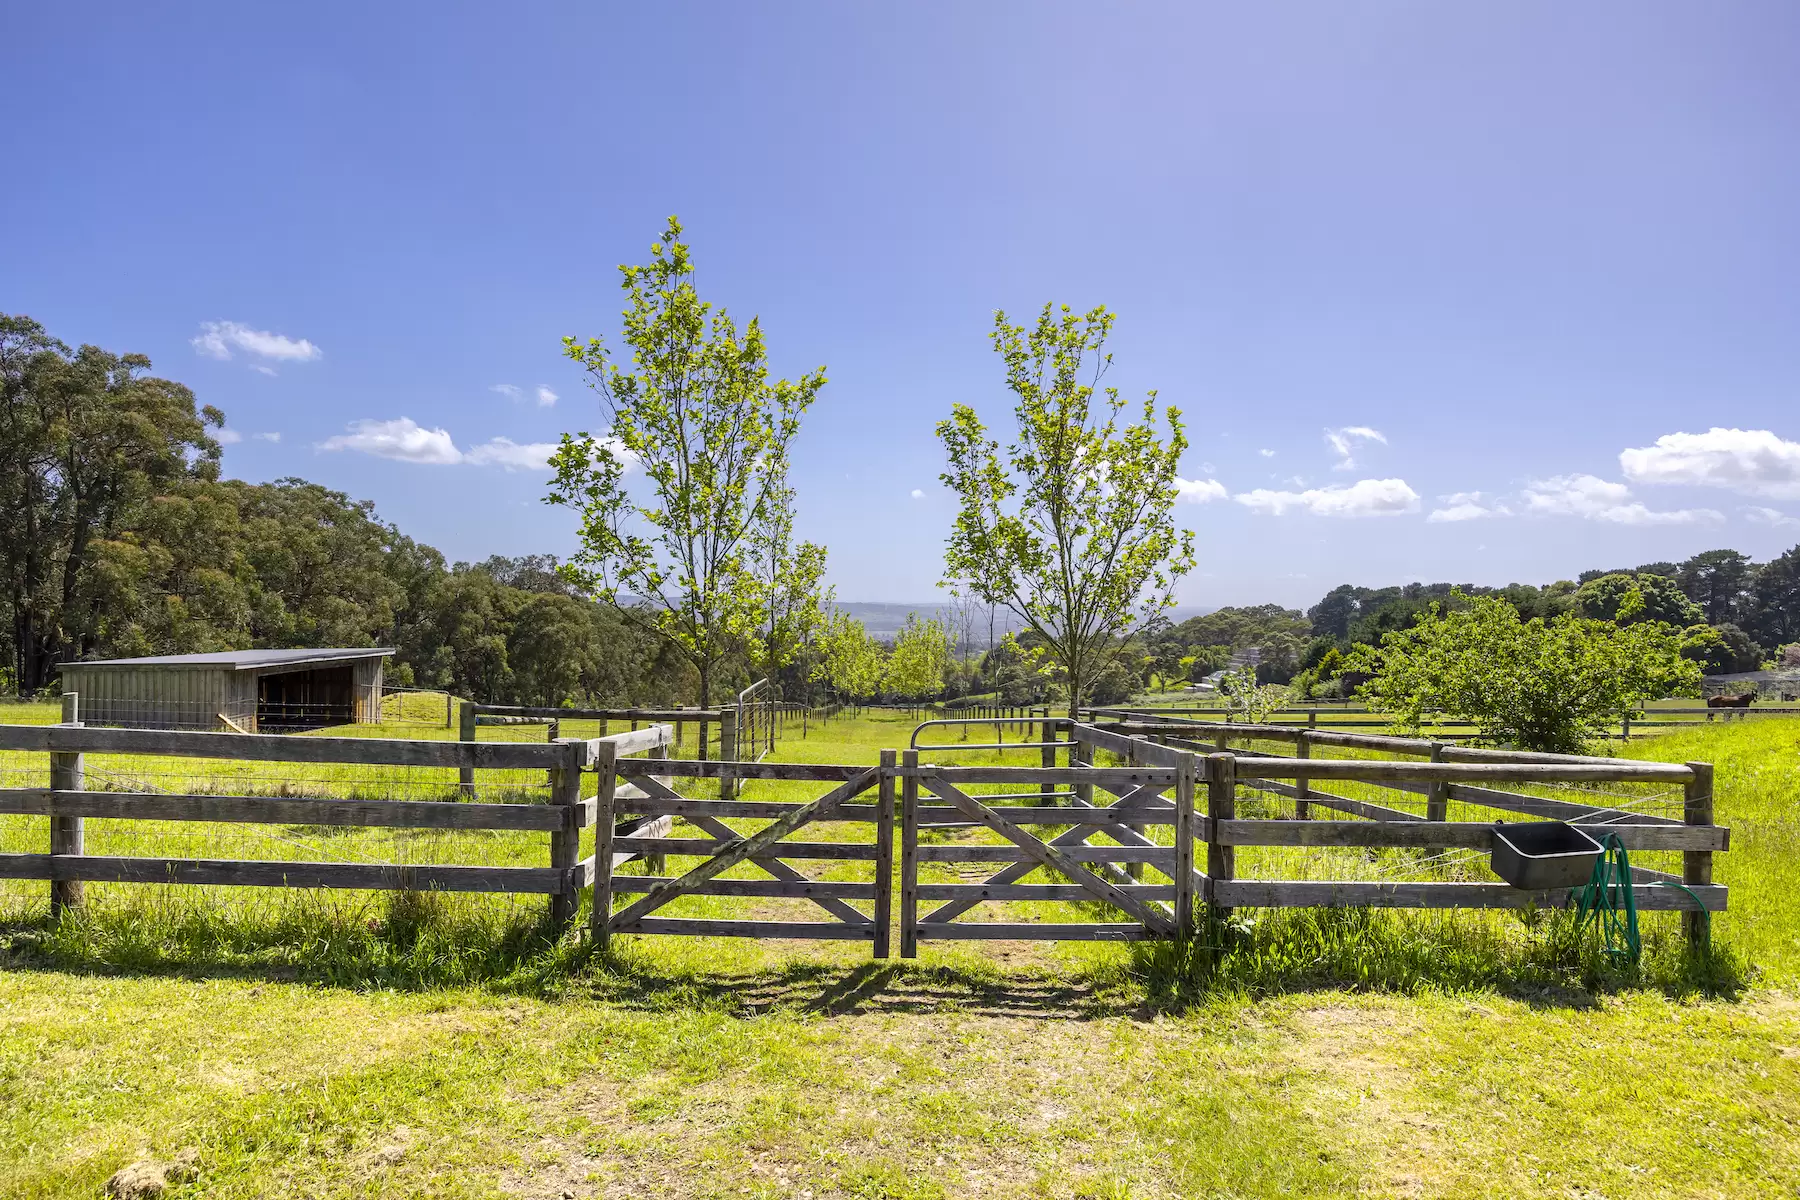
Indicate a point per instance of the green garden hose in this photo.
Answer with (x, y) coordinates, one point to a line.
(1609, 900)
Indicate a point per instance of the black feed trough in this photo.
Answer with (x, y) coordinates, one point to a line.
(1543, 854)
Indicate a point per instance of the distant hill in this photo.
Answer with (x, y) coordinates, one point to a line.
(883, 619)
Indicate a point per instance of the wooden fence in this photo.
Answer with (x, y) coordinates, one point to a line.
(1152, 821)
(1138, 818)
(1624, 727)
(68, 804)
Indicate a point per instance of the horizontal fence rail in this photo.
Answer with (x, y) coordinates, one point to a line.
(1623, 726)
(1146, 826)
(76, 751)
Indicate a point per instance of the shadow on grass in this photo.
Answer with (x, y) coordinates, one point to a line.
(626, 977)
(421, 941)
(406, 941)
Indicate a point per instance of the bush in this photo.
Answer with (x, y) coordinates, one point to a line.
(1540, 685)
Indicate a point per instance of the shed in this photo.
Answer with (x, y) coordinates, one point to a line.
(247, 690)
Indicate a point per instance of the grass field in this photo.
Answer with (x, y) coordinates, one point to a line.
(369, 1046)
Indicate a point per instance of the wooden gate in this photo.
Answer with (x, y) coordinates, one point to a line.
(1106, 873)
(640, 787)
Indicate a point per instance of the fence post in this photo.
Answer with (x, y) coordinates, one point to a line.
(727, 752)
(1302, 792)
(1625, 727)
(909, 856)
(884, 856)
(658, 862)
(565, 843)
(466, 733)
(1221, 805)
(1184, 846)
(449, 711)
(606, 781)
(1080, 755)
(66, 833)
(1696, 865)
(1437, 793)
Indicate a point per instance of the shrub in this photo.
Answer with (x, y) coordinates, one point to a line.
(1540, 685)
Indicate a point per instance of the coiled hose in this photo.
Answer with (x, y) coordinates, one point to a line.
(1609, 901)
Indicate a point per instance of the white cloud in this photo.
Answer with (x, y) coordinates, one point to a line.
(1745, 460)
(1467, 506)
(1364, 498)
(1343, 443)
(264, 370)
(402, 439)
(1208, 469)
(266, 437)
(217, 339)
(1769, 516)
(227, 437)
(1266, 453)
(406, 440)
(506, 453)
(1602, 500)
(1198, 491)
(541, 395)
(918, 493)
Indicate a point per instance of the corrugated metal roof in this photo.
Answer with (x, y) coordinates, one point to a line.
(240, 660)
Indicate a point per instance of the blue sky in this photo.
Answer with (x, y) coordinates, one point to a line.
(1445, 291)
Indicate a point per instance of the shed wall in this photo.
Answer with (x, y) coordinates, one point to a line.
(136, 697)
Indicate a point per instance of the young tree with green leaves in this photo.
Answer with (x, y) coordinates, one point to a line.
(1539, 685)
(1072, 527)
(792, 599)
(697, 412)
(920, 659)
(851, 661)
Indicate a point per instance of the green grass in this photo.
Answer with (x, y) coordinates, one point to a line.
(398, 1046)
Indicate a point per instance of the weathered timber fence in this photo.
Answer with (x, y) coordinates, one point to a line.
(1172, 796)
(721, 847)
(1624, 727)
(1461, 774)
(1115, 815)
(562, 814)
(747, 730)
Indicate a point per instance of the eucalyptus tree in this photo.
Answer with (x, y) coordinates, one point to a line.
(1071, 527)
(696, 412)
(87, 440)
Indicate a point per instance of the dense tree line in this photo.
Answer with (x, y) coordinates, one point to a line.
(118, 539)
(1738, 615)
